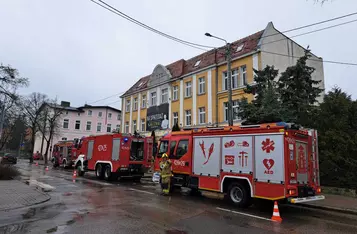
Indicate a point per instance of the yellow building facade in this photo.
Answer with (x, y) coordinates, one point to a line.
(193, 92)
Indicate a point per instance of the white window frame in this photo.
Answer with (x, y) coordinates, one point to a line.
(234, 77)
(127, 106)
(175, 90)
(99, 126)
(153, 98)
(64, 138)
(188, 89)
(126, 127)
(117, 127)
(110, 115)
(202, 115)
(143, 125)
(89, 123)
(100, 114)
(119, 117)
(235, 109)
(135, 104)
(164, 95)
(75, 125)
(109, 126)
(188, 117)
(243, 75)
(134, 125)
(175, 117)
(201, 85)
(143, 101)
(65, 121)
(89, 112)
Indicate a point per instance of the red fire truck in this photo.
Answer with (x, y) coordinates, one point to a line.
(268, 161)
(114, 155)
(64, 154)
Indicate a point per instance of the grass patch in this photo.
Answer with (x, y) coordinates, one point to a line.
(8, 172)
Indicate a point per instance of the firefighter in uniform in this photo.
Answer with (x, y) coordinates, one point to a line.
(165, 167)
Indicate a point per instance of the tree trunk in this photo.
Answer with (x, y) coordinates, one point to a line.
(48, 142)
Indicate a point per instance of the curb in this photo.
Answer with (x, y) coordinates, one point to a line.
(40, 186)
(329, 208)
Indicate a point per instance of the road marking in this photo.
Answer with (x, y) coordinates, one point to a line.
(249, 215)
(142, 191)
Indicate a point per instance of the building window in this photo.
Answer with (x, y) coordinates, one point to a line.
(153, 98)
(109, 115)
(234, 76)
(164, 95)
(66, 112)
(77, 126)
(109, 128)
(143, 101)
(135, 104)
(118, 117)
(235, 109)
(188, 89)
(175, 117)
(79, 114)
(202, 115)
(188, 117)
(134, 126)
(175, 93)
(197, 63)
(126, 127)
(89, 125)
(143, 125)
(243, 72)
(64, 138)
(201, 85)
(117, 127)
(127, 106)
(90, 112)
(65, 123)
(99, 127)
(100, 114)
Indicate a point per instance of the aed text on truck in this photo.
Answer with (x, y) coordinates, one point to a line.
(268, 161)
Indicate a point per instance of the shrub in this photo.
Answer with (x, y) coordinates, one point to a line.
(8, 172)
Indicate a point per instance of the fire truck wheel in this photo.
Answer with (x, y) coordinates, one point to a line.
(99, 171)
(108, 173)
(238, 194)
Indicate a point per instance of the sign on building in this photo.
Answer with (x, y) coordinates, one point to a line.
(157, 117)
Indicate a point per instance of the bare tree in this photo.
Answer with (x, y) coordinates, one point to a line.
(32, 105)
(10, 81)
(49, 123)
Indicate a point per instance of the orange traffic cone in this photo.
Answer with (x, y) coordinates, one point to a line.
(74, 175)
(276, 215)
(46, 168)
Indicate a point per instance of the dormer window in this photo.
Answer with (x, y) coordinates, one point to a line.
(240, 47)
(141, 83)
(197, 63)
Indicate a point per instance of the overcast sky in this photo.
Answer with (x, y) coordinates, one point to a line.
(80, 52)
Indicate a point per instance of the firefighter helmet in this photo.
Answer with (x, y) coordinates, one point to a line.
(164, 155)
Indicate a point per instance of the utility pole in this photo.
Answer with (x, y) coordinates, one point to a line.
(228, 54)
(2, 118)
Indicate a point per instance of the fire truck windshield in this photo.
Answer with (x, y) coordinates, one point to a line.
(163, 147)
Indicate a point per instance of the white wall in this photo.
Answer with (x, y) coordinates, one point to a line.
(283, 45)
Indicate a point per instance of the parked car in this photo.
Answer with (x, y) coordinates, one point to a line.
(9, 159)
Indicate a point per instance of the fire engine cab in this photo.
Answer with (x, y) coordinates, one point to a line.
(64, 154)
(114, 155)
(268, 161)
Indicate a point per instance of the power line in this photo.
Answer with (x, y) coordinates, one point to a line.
(123, 15)
(324, 61)
(106, 98)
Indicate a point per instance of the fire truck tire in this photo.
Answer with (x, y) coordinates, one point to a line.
(238, 194)
(64, 164)
(99, 171)
(108, 173)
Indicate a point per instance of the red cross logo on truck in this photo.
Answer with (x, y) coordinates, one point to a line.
(268, 145)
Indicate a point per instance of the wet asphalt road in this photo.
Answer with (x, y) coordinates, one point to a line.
(92, 206)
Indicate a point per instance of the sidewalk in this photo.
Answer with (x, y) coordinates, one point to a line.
(335, 203)
(16, 194)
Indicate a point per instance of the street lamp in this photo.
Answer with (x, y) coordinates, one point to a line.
(229, 78)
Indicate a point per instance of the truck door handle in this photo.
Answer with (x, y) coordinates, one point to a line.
(187, 164)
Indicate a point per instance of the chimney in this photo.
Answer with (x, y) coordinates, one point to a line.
(65, 104)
